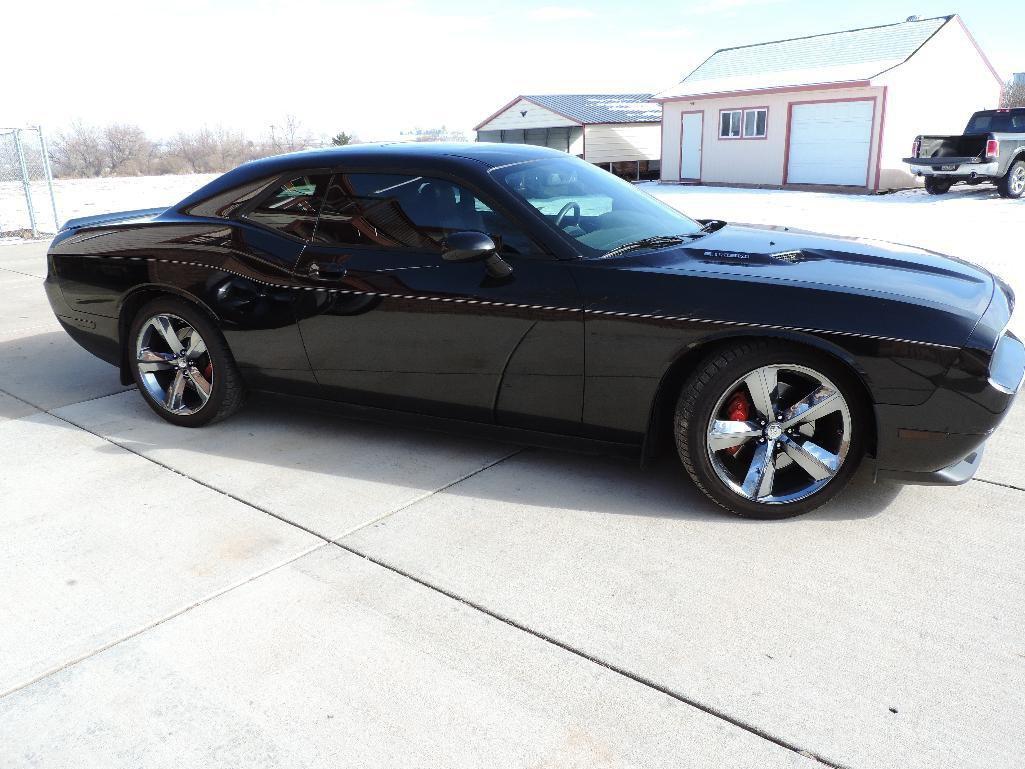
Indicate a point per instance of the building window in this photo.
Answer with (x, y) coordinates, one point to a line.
(729, 124)
(754, 123)
(743, 123)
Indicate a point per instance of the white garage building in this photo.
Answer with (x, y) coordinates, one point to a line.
(838, 109)
(617, 131)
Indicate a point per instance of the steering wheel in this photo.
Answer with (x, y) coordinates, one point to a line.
(571, 206)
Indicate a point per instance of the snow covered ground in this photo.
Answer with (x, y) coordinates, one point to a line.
(970, 222)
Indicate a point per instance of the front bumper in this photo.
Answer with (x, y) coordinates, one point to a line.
(956, 474)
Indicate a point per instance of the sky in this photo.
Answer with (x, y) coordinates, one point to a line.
(375, 69)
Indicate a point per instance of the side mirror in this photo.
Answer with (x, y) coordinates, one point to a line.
(468, 247)
(476, 247)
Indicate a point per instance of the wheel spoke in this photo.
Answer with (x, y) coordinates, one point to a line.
(150, 361)
(762, 472)
(196, 345)
(815, 406)
(761, 383)
(175, 392)
(162, 324)
(200, 385)
(726, 434)
(813, 459)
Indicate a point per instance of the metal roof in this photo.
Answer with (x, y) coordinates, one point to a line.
(850, 55)
(587, 108)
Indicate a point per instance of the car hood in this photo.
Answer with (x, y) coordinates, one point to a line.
(871, 277)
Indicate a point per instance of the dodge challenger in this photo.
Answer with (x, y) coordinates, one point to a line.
(522, 291)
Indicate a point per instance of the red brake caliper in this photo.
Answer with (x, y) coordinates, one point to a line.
(208, 371)
(738, 409)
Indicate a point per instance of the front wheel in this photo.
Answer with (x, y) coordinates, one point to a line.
(1012, 184)
(770, 430)
(182, 364)
(936, 186)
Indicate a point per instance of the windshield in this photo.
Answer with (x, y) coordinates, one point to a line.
(598, 210)
(996, 122)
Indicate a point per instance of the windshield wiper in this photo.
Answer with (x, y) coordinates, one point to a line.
(655, 241)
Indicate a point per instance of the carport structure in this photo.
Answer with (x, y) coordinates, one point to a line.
(617, 131)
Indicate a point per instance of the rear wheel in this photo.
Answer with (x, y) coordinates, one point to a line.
(770, 430)
(1012, 184)
(182, 364)
(937, 186)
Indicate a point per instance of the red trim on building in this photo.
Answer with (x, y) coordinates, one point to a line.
(871, 139)
(882, 136)
(985, 58)
(779, 89)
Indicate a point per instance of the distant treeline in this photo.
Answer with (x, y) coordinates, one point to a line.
(124, 149)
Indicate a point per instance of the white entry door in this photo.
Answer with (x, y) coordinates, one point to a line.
(690, 146)
(830, 143)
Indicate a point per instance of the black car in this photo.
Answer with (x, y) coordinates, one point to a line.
(525, 291)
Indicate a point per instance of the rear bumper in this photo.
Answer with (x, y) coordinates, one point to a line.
(962, 168)
(956, 474)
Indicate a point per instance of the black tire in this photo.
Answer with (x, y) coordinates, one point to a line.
(937, 186)
(716, 376)
(1012, 184)
(226, 387)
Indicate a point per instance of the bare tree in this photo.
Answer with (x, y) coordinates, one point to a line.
(209, 150)
(290, 136)
(127, 149)
(78, 151)
(1014, 94)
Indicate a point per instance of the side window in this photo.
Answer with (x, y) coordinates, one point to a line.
(292, 208)
(403, 211)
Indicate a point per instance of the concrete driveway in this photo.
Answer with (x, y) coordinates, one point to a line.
(287, 589)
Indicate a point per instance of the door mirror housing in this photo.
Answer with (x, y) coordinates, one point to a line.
(476, 247)
(468, 247)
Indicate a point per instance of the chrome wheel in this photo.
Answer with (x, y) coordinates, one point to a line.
(779, 434)
(1018, 180)
(174, 364)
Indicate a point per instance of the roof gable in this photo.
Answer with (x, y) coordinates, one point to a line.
(850, 55)
(591, 108)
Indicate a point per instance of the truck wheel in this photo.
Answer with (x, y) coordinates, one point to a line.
(1012, 184)
(936, 186)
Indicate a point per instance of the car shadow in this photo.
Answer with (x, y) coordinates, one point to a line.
(272, 433)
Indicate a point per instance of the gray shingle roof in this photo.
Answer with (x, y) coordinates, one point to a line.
(856, 54)
(602, 107)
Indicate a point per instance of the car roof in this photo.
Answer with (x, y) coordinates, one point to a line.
(480, 154)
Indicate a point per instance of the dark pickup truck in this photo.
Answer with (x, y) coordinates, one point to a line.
(992, 149)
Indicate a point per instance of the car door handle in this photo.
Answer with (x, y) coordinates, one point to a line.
(326, 270)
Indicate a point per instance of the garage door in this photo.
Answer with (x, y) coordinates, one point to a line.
(830, 143)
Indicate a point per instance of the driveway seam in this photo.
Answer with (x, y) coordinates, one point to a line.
(999, 483)
(635, 677)
(177, 613)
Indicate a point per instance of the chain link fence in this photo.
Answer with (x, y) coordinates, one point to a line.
(28, 208)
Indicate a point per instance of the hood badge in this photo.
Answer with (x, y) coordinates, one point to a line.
(727, 255)
(789, 257)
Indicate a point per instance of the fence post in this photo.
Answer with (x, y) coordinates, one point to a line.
(49, 178)
(25, 182)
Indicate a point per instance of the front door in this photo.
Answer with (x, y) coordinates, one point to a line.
(388, 323)
(690, 145)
